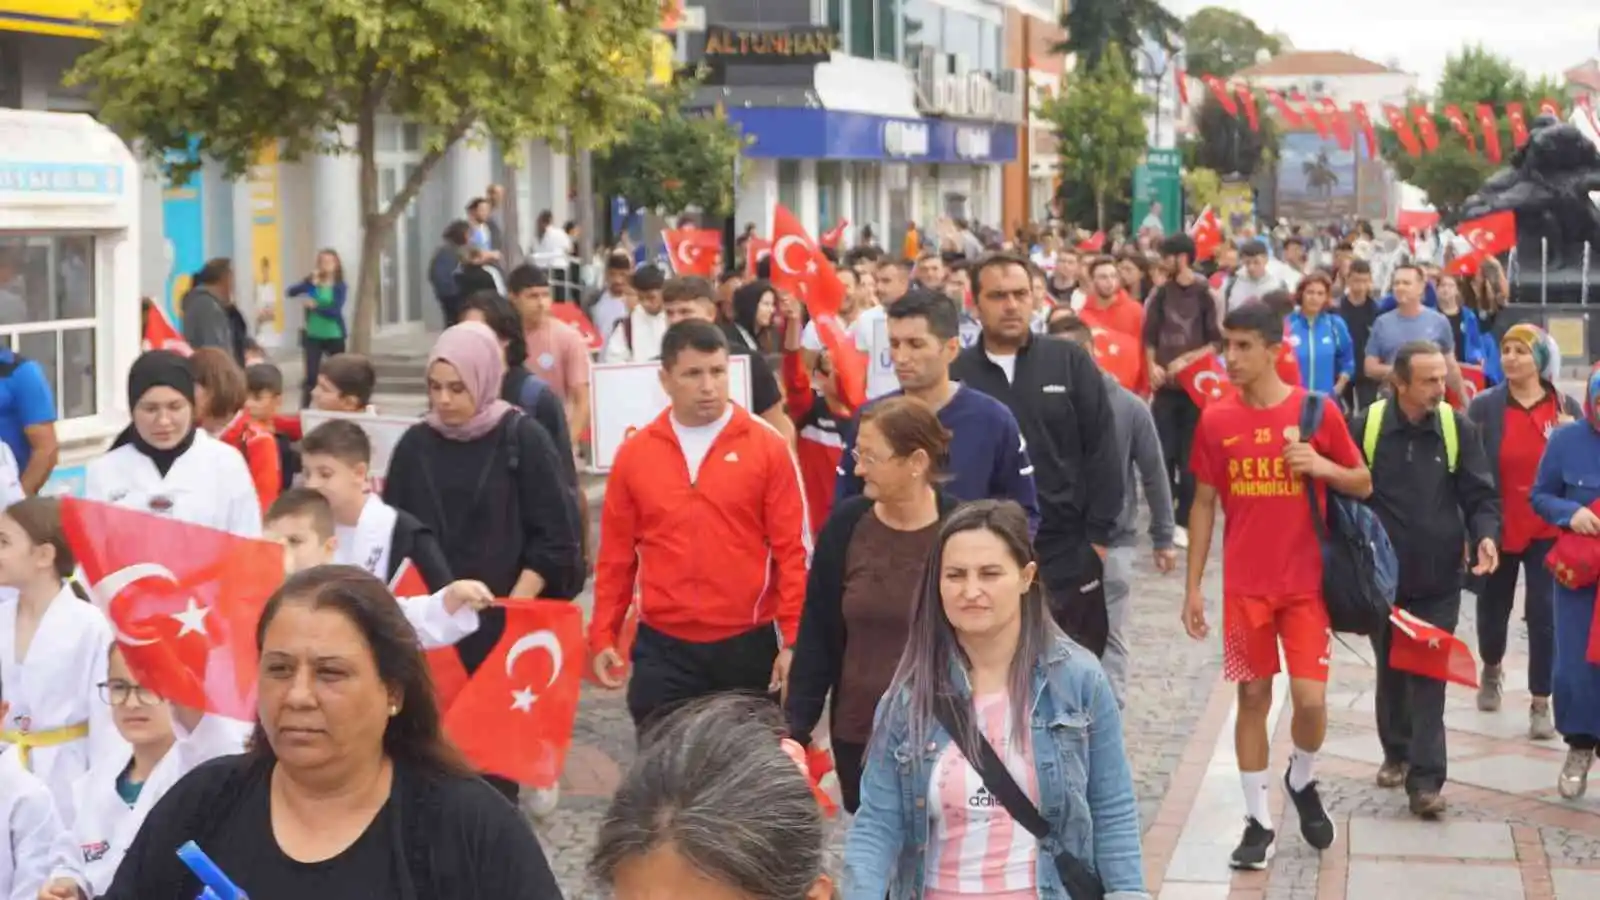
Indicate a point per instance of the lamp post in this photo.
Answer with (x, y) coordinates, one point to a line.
(1158, 78)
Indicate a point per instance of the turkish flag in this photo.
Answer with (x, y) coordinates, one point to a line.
(1364, 121)
(1402, 130)
(1287, 363)
(1220, 91)
(1182, 78)
(799, 267)
(1422, 648)
(1473, 381)
(1118, 355)
(1519, 124)
(184, 600)
(1489, 236)
(159, 333)
(1491, 131)
(1290, 117)
(1551, 108)
(1317, 121)
(693, 251)
(1094, 243)
(1340, 125)
(516, 715)
(834, 235)
(1206, 381)
(444, 663)
(1425, 127)
(755, 250)
(1207, 234)
(1247, 100)
(1458, 121)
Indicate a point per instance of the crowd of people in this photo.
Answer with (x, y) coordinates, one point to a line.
(932, 584)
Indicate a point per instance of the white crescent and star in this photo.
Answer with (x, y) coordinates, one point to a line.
(688, 252)
(1215, 390)
(524, 698)
(107, 589)
(780, 253)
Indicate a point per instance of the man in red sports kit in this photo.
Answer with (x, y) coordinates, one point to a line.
(1249, 454)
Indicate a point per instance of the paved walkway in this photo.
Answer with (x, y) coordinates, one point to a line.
(1507, 835)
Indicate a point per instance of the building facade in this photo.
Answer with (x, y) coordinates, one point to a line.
(1032, 31)
(881, 112)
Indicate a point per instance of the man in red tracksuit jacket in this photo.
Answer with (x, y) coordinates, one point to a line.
(703, 512)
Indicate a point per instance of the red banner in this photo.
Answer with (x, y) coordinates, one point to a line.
(1247, 99)
(1491, 132)
(1458, 121)
(1425, 128)
(1290, 118)
(1402, 129)
(1340, 125)
(1219, 90)
(1370, 134)
(1309, 112)
(1551, 108)
(1519, 124)
(1182, 77)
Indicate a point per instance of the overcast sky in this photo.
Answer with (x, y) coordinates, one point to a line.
(1546, 37)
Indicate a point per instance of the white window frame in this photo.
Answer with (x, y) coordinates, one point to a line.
(103, 324)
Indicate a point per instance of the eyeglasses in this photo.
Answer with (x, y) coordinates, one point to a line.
(118, 693)
(867, 459)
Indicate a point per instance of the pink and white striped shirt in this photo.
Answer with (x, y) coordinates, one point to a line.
(979, 850)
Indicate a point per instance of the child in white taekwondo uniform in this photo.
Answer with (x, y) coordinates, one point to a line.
(164, 464)
(301, 520)
(164, 742)
(29, 825)
(53, 654)
(335, 458)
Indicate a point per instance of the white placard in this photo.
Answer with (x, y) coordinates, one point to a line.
(624, 397)
(880, 367)
(383, 431)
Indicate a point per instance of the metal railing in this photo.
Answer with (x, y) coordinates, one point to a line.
(1533, 280)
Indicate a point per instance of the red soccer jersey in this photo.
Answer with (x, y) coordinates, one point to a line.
(1269, 543)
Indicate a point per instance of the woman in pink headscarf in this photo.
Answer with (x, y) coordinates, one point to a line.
(488, 481)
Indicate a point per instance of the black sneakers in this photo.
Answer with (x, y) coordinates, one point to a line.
(1315, 826)
(1255, 848)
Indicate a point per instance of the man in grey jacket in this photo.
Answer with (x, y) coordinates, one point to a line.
(1134, 436)
(209, 317)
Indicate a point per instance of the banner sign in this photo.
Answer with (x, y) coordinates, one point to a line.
(266, 245)
(383, 431)
(625, 397)
(880, 367)
(183, 232)
(801, 44)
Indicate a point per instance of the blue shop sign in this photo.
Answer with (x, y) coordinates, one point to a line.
(27, 177)
(788, 133)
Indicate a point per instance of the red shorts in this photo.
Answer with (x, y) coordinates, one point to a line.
(1253, 627)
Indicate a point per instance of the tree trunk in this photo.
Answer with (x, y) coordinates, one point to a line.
(511, 219)
(1100, 209)
(369, 282)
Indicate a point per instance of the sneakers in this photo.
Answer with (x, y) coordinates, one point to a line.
(1180, 537)
(540, 802)
(1574, 781)
(1315, 826)
(1491, 688)
(1541, 724)
(1392, 774)
(1427, 804)
(1255, 848)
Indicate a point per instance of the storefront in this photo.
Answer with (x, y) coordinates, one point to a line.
(69, 272)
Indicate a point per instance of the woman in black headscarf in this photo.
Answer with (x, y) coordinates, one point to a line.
(163, 464)
(753, 308)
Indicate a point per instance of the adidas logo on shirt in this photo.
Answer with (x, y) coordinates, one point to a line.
(982, 799)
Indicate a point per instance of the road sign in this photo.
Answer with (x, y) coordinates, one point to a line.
(1158, 181)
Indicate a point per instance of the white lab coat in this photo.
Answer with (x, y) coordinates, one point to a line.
(208, 485)
(57, 686)
(29, 829)
(91, 851)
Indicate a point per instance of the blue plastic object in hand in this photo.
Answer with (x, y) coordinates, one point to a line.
(217, 885)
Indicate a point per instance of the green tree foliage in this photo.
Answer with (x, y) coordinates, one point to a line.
(1099, 124)
(1226, 145)
(1220, 42)
(1203, 187)
(1095, 26)
(673, 161)
(1453, 173)
(314, 77)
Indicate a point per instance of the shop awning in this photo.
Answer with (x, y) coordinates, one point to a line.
(64, 18)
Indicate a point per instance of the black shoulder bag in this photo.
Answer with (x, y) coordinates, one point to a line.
(1077, 876)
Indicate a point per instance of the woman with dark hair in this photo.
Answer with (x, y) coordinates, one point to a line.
(520, 387)
(991, 699)
(714, 806)
(859, 592)
(754, 306)
(445, 264)
(350, 788)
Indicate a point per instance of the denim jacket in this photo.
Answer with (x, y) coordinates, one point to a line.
(1085, 787)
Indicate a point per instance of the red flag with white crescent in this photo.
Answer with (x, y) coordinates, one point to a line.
(1551, 108)
(1491, 131)
(1207, 234)
(159, 333)
(1219, 90)
(799, 267)
(1338, 123)
(1488, 236)
(183, 600)
(1290, 117)
(444, 663)
(755, 250)
(834, 235)
(1519, 124)
(1425, 128)
(1206, 381)
(693, 251)
(1422, 648)
(1309, 111)
(1458, 121)
(1364, 122)
(515, 717)
(1402, 130)
(1247, 100)
(1182, 77)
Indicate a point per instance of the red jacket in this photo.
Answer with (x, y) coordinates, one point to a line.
(818, 444)
(701, 552)
(260, 450)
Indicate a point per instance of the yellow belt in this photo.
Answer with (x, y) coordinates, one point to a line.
(25, 741)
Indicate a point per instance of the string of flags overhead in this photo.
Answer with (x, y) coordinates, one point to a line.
(1413, 125)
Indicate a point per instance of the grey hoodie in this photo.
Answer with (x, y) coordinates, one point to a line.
(1134, 435)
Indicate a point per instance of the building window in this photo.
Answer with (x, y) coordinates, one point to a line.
(829, 176)
(920, 20)
(47, 313)
(862, 16)
(836, 16)
(888, 30)
(789, 184)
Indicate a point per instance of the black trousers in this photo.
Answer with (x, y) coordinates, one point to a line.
(848, 760)
(668, 672)
(315, 350)
(1176, 419)
(1074, 583)
(1495, 603)
(1410, 708)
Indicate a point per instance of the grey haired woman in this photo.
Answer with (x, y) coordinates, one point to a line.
(714, 808)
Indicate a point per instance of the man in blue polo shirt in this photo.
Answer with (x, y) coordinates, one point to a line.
(28, 418)
(988, 457)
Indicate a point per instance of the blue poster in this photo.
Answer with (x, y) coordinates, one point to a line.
(183, 230)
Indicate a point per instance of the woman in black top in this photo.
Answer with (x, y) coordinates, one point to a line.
(520, 387)
(349, 788)
(753, 307)
(489, 482)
